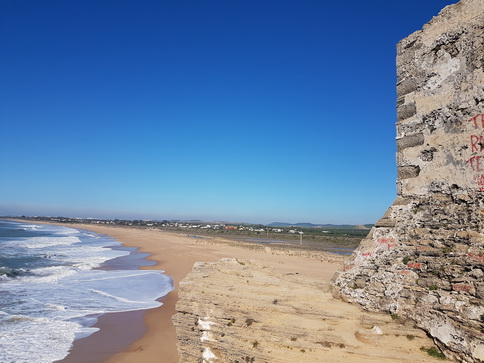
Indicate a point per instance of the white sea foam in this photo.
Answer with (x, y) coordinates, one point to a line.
(57, 299)
(20, 340)
(29, 226)
(45, 242)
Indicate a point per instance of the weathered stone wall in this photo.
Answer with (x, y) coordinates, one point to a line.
(425, 258)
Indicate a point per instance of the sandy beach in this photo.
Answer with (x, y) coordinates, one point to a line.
(124, 338)
(175, 254)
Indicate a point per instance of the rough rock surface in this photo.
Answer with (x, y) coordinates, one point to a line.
(244, 311)
(425, 258)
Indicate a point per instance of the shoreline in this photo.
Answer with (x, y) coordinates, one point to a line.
(343, 331)
(175, 254)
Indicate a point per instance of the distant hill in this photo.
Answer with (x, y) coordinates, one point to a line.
(312, 225)
(279, 224)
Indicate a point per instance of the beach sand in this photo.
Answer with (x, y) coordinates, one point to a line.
(175, 254)
(124, 338)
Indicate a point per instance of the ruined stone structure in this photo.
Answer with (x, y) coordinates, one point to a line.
(424, 260)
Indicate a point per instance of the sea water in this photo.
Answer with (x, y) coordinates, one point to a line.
(51, 291)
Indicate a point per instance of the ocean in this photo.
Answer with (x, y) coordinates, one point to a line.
(54, 283)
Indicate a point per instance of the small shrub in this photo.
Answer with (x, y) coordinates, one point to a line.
(433, 352)
(293, 339)
(255, 343)
(395, 317)
(446, 250)
(410, 337)
(405, 260)
(482, 317)
(303, 350)
(433, 287)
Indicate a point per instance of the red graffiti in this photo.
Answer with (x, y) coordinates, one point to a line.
(476, 163)
(475, 257)
(414, 265)
(348, 267)
(477, 146)
(405, 272)
(462, 287)
(385, 240)
(477, 143)
(390, 242)
(367, 253)
(478, 120)
(479, 179)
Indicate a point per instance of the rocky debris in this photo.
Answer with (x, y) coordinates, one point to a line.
(243, 311)
(424, 259)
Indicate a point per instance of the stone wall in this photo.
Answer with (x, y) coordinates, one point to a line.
(424, 260)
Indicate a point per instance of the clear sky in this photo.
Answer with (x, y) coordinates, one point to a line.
(236, 110)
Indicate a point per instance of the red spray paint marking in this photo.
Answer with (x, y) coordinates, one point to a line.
(462, 287)
(478, 120)
(477, 143)
(385, 240)
(417, 265)
(473, 256)
(476, 163)
(390, 242)
(479, 179)
(477, 146)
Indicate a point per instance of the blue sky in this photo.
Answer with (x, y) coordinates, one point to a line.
(250, 111)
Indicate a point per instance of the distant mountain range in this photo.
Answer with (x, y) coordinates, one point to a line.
(312, 225)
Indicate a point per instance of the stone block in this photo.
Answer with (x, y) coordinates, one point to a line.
(401, 201)
(360, 283)
(410, 141)
(408, 171)
(385, 222)
(406, 86)
(441, 198)
(480, 290)
(463, 287)
(429, 282)
(406, 111)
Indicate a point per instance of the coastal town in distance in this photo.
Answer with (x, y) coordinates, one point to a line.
(336, 238)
